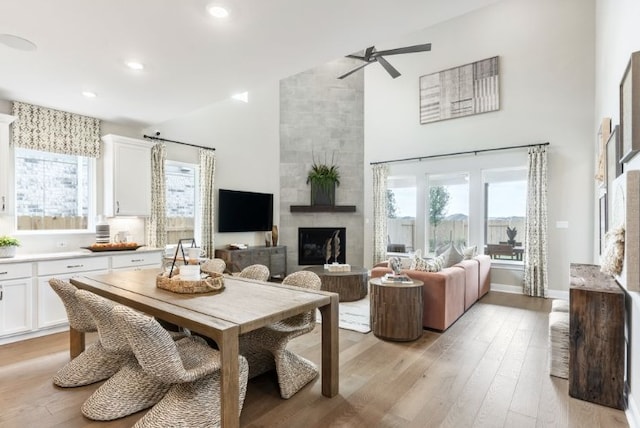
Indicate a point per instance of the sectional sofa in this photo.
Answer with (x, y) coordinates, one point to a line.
(447, 294)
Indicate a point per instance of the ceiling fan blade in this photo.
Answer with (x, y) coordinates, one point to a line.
(361, 58)
(355, 69)
(368, 52)
(390, 68)
(409, 49)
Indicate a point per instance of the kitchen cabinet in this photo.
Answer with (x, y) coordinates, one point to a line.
(28, 305)
(6, 166)
(136, 261)
(16, 300)
(51, 311)
(127, 176)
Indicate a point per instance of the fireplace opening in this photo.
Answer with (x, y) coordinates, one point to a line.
(320, 245)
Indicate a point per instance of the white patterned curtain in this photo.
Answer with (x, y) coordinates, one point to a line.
(157, 231)
(47, 130)
(535, 251)
(207, 197)
(380, 174)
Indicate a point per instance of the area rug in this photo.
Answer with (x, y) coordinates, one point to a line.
(353, 315)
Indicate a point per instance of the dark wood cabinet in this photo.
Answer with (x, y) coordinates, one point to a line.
(275, 258)
(597, 355)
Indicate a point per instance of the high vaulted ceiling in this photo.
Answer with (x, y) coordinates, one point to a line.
(191, 60)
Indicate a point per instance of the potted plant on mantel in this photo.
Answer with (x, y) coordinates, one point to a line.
(323, 178)
(8, 246)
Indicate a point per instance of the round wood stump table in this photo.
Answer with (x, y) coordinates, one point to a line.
(350, 285)
(396, 310)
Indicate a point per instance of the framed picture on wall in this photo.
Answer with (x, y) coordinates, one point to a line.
(614, 167)
(630, 109)
(603, 221)
(601, 141)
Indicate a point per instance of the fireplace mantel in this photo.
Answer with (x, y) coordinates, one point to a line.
(323, 208)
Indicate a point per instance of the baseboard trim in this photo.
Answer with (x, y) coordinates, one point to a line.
(632, 413)
(33, 334)
(514, 289)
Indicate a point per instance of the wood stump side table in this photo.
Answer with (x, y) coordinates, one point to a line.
(350, 285)
(396, 310)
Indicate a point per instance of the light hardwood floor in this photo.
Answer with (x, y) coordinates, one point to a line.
(488, 370)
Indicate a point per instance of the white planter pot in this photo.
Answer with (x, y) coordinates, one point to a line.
(9, 251)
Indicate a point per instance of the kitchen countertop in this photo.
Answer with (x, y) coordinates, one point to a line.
(25, 258)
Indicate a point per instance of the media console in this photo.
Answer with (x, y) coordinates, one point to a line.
(275, 258)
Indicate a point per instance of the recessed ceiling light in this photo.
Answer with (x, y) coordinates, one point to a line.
(18, 43)
(134, 65)
(89, 94)
(218, 11)
(243, 96)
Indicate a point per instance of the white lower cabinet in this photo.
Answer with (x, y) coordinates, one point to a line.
(28, 305)
(51, 311)
(136, 261)
(16, 298)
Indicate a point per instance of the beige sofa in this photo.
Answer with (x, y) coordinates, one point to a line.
(449, 293)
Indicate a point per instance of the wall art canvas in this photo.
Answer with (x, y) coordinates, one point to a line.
(604, 131)
(626, 213)
(630, 109)
(460, 91)
(614, 167)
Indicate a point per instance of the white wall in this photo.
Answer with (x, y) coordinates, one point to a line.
(546, 94)
(617, 36)
(246, 139)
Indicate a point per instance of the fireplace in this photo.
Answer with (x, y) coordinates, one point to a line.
(319, 245)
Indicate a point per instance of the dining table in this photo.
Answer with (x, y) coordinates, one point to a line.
(241, 306)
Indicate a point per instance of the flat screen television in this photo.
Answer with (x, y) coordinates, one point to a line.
(240, 211)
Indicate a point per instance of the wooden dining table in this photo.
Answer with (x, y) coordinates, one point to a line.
(242, 306)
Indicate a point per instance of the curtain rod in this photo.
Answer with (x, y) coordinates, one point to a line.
(475, 152)
(177, 142)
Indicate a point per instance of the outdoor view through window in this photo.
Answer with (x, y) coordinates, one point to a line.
(446, 214)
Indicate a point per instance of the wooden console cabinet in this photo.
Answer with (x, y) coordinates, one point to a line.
(596, 337)
(275, 258)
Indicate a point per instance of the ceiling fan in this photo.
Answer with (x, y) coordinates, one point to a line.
(371, 55)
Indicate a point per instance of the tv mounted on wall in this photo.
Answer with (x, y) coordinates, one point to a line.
(240, 211)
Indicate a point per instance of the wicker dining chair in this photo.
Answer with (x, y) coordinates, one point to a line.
(293, 371)
(129, 390)
(95, 363)
(214, 265)
(257, 271)
(192, 367)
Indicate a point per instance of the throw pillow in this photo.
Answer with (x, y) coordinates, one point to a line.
(470, 252)
(451, 256)
(417, 256)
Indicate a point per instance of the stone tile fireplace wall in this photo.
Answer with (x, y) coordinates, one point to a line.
(321, 117)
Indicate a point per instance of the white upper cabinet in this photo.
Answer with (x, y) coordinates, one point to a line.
(6, 166)
(127, 176)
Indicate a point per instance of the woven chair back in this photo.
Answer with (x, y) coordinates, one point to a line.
(307, 280)
(153, 346)
(79, 318)
(214, 265)
(259, 272)
(100, 308)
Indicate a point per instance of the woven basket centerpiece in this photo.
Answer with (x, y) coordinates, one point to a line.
(214, 282)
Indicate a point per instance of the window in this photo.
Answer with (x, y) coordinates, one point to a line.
(183, 212)
(505, 207)
(401, 214)
(53, 191)
(448, 213)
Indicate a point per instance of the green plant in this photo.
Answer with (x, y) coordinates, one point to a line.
(8, 241)
(324, 177)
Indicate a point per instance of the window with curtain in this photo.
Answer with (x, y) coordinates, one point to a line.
(54, 164)
(182, 210)
(505, 213)
(401, 214)
(448, 210)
